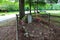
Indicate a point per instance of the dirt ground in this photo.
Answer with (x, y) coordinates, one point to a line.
(38, 31)
(33, 31)
(8, 30)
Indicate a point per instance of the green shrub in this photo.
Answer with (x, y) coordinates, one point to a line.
(13, 7)
(9, 6)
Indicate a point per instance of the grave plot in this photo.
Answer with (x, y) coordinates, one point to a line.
(40, 28)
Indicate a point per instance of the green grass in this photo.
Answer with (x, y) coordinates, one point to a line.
(53, 14)
(56, 14)
(8, 13)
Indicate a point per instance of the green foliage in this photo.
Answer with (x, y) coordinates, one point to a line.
(56, 6)
(48, 6)
(1, 1)
(53, 1)
(13, 7)
(9, 6)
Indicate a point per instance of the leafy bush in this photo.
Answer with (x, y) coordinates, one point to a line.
(56, 6)
(13, 7)
(9, 6)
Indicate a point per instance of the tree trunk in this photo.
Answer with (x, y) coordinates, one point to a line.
(37, 6)
(30, 6)
(21, 9)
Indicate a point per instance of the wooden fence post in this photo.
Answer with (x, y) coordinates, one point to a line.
(16, 27)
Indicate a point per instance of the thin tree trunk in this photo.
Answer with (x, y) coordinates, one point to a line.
(21, 9)
(30, 6)
(34, 8)
(37, 6)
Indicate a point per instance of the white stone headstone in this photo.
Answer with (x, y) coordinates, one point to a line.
(29, 18)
